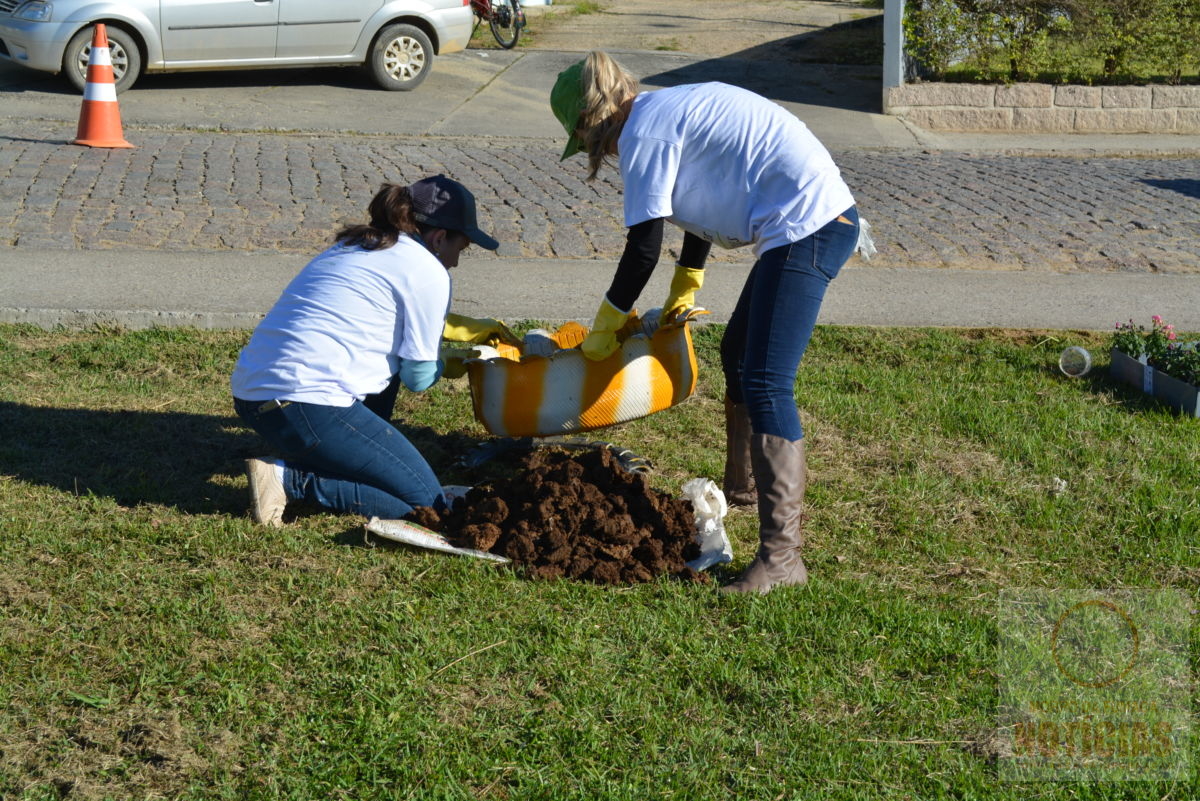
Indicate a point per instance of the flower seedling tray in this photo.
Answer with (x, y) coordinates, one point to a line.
(1177, 394)
(1170, 390)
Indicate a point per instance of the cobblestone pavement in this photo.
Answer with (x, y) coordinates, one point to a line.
(186, 190)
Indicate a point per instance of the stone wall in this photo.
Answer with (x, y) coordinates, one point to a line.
(1047, 108)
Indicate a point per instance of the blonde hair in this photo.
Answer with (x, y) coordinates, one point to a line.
(606, 87)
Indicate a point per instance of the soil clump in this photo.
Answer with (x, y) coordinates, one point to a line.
(574, 515)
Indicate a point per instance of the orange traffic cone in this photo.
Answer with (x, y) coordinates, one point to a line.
(100, 119)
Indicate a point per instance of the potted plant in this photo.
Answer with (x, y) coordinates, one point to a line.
(1154, 361)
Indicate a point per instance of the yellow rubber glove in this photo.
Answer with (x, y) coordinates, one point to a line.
(602, 341)
(683, 290)
(478, 331)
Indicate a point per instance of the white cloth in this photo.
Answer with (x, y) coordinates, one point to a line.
(727, 165)
(340, 328)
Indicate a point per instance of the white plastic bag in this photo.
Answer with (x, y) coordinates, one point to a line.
(865, 245)
(709, 507)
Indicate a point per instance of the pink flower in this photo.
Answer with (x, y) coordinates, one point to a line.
(1170, 335)
(1156, 319)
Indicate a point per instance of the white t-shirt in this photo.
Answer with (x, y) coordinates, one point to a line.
(340, 328)
(727, 165)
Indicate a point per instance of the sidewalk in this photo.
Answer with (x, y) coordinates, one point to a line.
(204, 227)
(233, 290)
(502, 94)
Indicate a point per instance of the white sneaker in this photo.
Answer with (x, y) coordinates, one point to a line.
(267, 498)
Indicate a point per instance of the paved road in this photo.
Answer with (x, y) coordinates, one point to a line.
(208, 179)
(477, 93)
(286, 193)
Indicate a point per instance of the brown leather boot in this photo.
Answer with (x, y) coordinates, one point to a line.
(779, 466)
(739, 480)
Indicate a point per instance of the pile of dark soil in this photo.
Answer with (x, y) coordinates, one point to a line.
(574, 515)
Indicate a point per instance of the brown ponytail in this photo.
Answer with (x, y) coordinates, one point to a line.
(606, 87)
(391, 213)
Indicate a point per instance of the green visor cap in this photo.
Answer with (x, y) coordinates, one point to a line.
(566, 99)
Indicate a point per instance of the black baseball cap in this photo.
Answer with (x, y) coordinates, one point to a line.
(445, 203)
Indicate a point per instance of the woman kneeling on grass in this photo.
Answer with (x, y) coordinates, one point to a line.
(366, 313)
(730, 167)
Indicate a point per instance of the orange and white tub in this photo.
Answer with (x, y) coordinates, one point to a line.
(548, 387)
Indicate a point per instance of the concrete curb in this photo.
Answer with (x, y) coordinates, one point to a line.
(140, 289)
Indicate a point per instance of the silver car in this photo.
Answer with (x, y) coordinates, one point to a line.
(396, 39)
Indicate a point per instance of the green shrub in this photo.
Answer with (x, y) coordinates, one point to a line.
(935, 34)
(1059, 41)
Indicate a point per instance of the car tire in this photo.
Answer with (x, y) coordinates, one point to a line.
(122, 47)
(401, 58)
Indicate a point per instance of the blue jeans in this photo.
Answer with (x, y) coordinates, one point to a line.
(345, 459)
(774, 320)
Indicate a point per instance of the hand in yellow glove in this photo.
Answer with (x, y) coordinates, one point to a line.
(602, 341)
(479, 331)
(683, 291)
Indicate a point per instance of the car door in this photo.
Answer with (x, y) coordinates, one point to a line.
(312, 28)
(218, 30)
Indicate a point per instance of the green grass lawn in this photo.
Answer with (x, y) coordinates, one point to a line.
(156, 643)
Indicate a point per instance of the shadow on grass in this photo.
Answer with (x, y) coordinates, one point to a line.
(1128, 398)
(167, 458)
(837, 67)
(1111, 391)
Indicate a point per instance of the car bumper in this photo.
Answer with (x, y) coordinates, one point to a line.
(38, 45)
(454, 29)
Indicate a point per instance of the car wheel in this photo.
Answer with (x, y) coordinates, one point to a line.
(401, 58)
(122, 48)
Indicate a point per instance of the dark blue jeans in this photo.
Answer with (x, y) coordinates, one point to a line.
(774, 320)
(345, 459)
